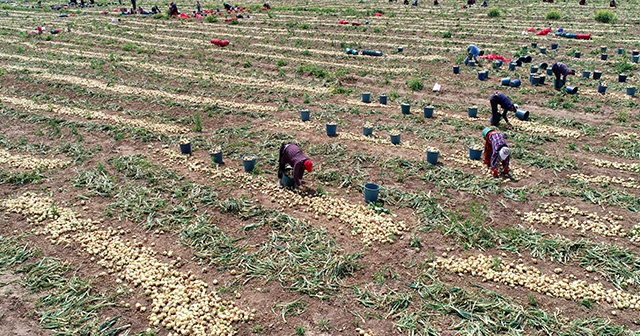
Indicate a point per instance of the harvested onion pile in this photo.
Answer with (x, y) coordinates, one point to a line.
(30, 162)
(179, 302)
(570, 217)
(627, 183)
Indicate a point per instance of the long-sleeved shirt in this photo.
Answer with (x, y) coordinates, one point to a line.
(493, 144)
(559, 68)
(474, 51)
(293, 155)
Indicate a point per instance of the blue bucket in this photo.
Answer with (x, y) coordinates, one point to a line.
(631, 91)
(577, 54)
(472, 112)
(597, 74)
(620, 51)
(571, 89)
(249, 164)
(456, 69)
(505, 81)
(534, 44)
(216, 157)
(383, 99)
(286, 181)
(432, 157)
(497, 64)
(405, 108)
(366, 131)
(475, 154)
(471, 63)
(400, 49)
(603, 49)
(395, 139)
(635, 58)
(515, 83)
(371, 191)
(602, 88)
(366, 97)
(526, 59)
(518, 62)
(522, 114)
(482, 75)
(554, 46)
(604, 57)
(534, 69)
(512, 66)
(622, 78)
(428, 111)
(543, 50)
(332, 129)
(185, 148)
(558, 83)
(549, 72)
(586, 74)
(534, 79)
(542, 78)
(305, 115)
(635, 52)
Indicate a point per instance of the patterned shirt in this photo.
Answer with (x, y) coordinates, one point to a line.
(497, 141)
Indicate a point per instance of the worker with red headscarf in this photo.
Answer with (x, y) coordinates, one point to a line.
(496, 151)
(291, 154)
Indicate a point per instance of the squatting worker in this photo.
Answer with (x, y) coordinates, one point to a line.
(505, 103)
(560, 69)
(496, 151)
(291, 154)
(472, 53)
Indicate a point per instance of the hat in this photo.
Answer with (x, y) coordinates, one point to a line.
(308, 165)
(486, 131)
(505, 152)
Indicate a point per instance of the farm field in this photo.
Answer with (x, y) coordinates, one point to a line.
(108, 229)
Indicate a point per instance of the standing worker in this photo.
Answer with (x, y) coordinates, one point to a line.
(473, 52)
(133, 5)
(560, 69)
(500, 99)
(496, 151)
(291, 154)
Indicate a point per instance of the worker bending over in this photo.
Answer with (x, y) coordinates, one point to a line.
(472, 53)
(560, 69)
(496, 151)
(505, 103)
(291, 154)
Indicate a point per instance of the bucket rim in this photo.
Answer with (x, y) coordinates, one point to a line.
(371, 186)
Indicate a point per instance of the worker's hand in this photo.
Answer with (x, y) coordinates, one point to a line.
(495, 172)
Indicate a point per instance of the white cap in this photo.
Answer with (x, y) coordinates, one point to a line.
(505, 152)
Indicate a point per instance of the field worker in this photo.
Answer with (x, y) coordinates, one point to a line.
(484, 3)
(560, 69)
(496, 151)
(198, 7)
(612, 3)
(291, 154)
(473, 52)
(500, 99)
(133, 5)
(173, 9)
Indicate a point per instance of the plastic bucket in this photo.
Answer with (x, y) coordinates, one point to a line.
(526, 59)
(597, 74)
(522, 115)
(534, 79)
(400, 49)
(549, 72)
(366, 131)
(533, 69)
(305, 115)
(475, 154)
(515, 83)
(249, 164)
(604, 57)
(482, 75)
(395, 139)
(635, 58)
(602, 88)
(366, 97)
(543, 66)
(543, 50)
(620, 51)
(586, 74)
(406, 108)
(603, 49)
(471, 63)
(383, 99)
(577, 54)
(456, 69)
(286, 181)
(332, 129)
(432, 157)
(472, 111)
(519, 62)
(631, 91)
(512, 66)
(505, 81)
(497, 64)
(371, 191)
(216, 157)
(554, 46)
(428, 111)
(542, 78)
(534, 44)
(622, 78)
(571, 89)
(635, 52)
(185, 148)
